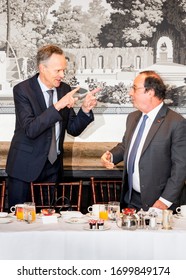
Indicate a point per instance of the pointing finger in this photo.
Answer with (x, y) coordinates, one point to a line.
(72, 92)
(94, 91)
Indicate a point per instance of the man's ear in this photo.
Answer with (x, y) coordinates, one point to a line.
(41, 68)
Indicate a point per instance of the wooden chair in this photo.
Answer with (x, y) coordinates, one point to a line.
(104, 191)
(63, 195)
(2, 195)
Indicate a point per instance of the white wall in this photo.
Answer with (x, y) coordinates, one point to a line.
(105, 128)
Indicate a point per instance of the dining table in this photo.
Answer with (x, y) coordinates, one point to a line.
(68, 239)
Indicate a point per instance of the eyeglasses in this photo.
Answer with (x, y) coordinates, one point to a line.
(134, 88)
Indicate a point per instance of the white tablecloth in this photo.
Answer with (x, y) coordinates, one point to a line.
(19, 240)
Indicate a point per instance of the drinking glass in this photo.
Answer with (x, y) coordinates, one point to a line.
(30, 212)
(103, 212)
(113, 210)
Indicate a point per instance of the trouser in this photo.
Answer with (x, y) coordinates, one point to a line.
(135, 201)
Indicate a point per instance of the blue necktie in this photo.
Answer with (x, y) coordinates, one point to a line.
(132, 155)
(52, 156)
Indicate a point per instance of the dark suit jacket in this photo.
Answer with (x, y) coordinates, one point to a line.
(32, 137)
(162, 165)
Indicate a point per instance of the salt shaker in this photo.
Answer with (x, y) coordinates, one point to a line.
(153, 222)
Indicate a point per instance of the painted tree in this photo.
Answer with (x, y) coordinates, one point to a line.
(175, 14)
(132, 21)
(111, 34)
(25, 22)
(4, 25)
(66, 28)
(146, 15)
(138, 20)
(92, 23)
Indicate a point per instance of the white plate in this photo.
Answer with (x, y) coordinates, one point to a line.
(40, 215)
(104, 228)
(6, 221)
(74, 220)
(3, 214)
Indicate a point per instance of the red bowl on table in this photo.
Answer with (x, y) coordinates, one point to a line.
(48, 212)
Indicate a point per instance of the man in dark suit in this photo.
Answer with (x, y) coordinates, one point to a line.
(37, 121)
(159, 168)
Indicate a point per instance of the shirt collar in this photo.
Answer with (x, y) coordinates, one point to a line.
(152, 114)
(43, 87)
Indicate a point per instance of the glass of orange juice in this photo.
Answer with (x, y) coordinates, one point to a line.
(30, 212)
(103, 212)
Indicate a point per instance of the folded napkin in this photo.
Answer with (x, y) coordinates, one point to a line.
(71, 214)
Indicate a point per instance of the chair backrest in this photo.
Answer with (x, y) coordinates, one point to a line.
(2, 195)
(104, 191)
(62, 195)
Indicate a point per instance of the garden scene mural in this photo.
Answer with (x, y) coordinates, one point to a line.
(106, 42)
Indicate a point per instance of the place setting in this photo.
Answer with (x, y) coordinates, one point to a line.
(101, 216)
(73, 217)
(5, 218)
(18, 213)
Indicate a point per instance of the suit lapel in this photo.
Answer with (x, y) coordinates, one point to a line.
(131, 129)
(60, 94)
(155, 126)
(38, 92)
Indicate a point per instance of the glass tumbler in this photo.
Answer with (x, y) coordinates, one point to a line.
(103, 212)
(29, 212)
(113, 210)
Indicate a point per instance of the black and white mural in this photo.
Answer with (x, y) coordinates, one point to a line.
(106, 42)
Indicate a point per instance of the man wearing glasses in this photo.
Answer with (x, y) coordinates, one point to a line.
(153, 148)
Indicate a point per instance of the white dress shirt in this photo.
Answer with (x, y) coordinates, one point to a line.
(151, 116)
(46, 97)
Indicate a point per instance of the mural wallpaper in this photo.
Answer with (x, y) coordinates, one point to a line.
(106, 42)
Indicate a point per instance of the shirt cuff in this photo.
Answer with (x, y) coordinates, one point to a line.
(88, 114)
(166, 202)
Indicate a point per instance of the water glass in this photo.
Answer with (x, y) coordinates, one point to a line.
(113, 210)
(29, 212)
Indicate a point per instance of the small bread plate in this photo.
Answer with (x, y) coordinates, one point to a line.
(76, 220)
(6, 220)
(3, 214)
(105, 227)
(40, 215)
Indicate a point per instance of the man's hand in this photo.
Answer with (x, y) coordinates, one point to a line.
(90, 100)
(67, 101)
(106, 160)
(160, 205)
